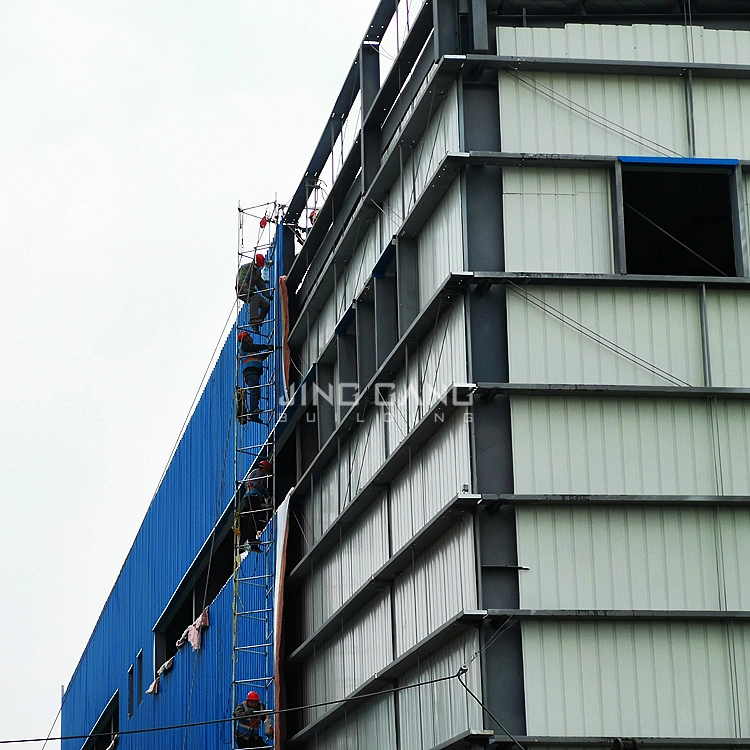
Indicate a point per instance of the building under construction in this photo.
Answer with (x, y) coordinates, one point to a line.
(498, 431)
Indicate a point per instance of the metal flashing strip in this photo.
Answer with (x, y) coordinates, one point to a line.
(432, 312)
(400, 561)
(453, 399)
(617, 500)
(620, 614)
(387, 676)
(610, 391)
(468, 740)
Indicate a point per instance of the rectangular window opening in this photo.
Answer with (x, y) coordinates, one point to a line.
(131, 692)
(139, 677)
(678, 222)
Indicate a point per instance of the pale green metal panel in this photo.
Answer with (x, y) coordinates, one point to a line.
(443, 710)
(624, 679)
(612, 336)
(612, 446)
(633, 558)
(728, 322)
(644, 42)
(727, 136)
(731, 436)
(440, 244)
(574, 113)
(557, 220)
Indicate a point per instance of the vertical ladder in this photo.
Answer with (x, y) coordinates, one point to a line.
(254, 540)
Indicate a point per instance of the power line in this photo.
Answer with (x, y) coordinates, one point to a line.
(339, 701)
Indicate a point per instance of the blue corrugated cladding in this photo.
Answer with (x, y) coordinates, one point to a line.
(197, 488)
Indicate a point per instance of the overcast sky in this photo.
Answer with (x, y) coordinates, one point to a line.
(130, 129)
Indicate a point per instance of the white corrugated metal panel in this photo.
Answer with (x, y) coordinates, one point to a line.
(440, 137)
(589, 335)
(612, 445)
(728, 322)
(732, 439)
(370, 725)
(727, 136)
(648, 42)
(443, 356)
(557, 220)
(732, 538)
(352, 656)
(321, 506)
(368, 449)
(573, 113)
(626, 679)
(359, 554)
(442, 710)
(439, 584)
(359, 269)
(434, 476)
(623, 558)
(440, 245)
(397, 411)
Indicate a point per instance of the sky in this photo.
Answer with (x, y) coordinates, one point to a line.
(129, 132)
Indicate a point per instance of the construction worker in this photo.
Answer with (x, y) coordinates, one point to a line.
(255, 491)
(251, 288)
(251, 366)
(250, 714)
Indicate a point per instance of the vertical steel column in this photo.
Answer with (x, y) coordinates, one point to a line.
(369, 85)
(618, 219)
(480, 38)
(445, 24)
(407, 279)
(497, 564)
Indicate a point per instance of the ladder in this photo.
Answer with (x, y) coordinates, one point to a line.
(255, 498)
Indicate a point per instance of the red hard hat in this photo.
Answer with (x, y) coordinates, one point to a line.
(265, 464)
(242, 335)
(253, 696)
(260, 260)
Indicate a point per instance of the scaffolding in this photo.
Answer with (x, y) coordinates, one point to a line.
(257, 400)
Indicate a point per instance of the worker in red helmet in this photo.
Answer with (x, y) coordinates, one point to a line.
(250, 714)
(252, 289)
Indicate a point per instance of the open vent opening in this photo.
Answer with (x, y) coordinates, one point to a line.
(678, 222)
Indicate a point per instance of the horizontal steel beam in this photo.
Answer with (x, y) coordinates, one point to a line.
(618, 500)
(667, 742)
(619, 614)
(610, 391)
(615, 67)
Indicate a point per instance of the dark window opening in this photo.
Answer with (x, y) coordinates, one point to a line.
(678, 223)
(131, 692)
(199, 590)
(139, 676)
(104, 734)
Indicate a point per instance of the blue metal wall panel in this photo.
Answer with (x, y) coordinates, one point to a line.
(196, 489)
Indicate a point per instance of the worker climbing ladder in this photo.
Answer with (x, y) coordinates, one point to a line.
(258, 394)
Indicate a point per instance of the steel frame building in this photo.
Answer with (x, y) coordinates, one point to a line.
(518, 459)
